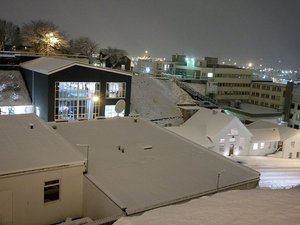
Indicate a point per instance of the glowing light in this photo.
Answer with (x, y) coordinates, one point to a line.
(147, 69)
(210, 74)
(95, 98)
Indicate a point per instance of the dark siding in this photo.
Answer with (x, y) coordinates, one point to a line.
(27, 76)
(84, 74)
(41, 91)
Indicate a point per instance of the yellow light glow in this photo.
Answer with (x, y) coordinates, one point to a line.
(95, 98)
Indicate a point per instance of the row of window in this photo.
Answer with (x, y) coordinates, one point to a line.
(266, 87)
(233, 92)
(264, 95)
(293, 106)
(239, 76)
(233, 85)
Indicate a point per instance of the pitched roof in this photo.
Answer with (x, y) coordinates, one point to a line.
(49, 65)
(284, 132)
(23, 149)
(213, 121)
(157, 167)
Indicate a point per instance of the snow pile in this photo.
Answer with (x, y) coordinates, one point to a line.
(13, 91)
(246, 207)
(156, 99)
(198, 87)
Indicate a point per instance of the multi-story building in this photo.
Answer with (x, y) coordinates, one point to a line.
(294, 113)
(268, 94)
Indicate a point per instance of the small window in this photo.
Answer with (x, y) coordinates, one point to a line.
(293, 144)
(255, 146)
(262, 145)
(51, 191)
(115, 90)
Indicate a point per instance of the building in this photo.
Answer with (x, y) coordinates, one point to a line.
(148, 66)
(115, 62)
(294, 114)
(217, 131)
(143, 166)
(41, 175)
(67, 90)
(271, 138)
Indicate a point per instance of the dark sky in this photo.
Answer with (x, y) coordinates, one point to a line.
(261, 31)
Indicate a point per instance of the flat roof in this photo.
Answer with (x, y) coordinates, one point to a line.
(156, 166)
(254, 110)
(49, 65)
(25, 149)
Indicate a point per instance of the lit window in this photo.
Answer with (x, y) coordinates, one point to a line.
(222, 140)
(110, 111)
(51, 191)
(255, 146)
(262, 145)
(210, 74)
(232, 139)
(233, 132)
(115, 90)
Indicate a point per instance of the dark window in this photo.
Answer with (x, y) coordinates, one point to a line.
(292, 105)
(51, 191)
(296, 126)
(298, 107)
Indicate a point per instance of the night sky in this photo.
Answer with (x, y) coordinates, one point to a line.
(265, 32)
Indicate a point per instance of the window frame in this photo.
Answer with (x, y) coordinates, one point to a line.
(52, 184)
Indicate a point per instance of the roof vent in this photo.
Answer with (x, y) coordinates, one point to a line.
(148, 147)
(31, 125)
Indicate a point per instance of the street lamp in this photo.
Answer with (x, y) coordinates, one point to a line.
(218, 178)
(51, 40)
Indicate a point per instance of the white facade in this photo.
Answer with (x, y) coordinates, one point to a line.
(22, 197)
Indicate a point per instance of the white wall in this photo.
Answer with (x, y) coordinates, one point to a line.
(242, 134)
(97, 205)
(291, 146)
(268, 148)
(27, 197)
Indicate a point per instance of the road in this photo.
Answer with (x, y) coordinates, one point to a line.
(278, 177)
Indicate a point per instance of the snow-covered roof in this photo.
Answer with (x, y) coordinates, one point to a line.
(213, 121)
(244, 207)
(284, 132)
(49, 65)
(13, 91)
(25, 149)
(193, 134)
(265, 134)
(156, 166)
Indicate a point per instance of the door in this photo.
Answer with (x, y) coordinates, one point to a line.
(231, 150)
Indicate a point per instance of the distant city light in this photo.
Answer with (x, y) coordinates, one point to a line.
(147, 69)
(210, 74)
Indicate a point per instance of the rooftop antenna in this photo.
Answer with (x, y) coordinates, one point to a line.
(120, 106)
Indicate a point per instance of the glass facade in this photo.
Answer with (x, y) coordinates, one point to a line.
(76, 100)
(115, 90)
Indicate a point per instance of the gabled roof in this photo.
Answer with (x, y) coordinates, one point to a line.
(194, 134)
(156, 166)
(48, 66)
(265, 134)
(284, 132)
(213, 121)
(25, 149)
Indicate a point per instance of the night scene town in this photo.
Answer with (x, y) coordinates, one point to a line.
(157, 112)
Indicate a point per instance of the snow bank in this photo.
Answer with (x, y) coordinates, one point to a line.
(156, 99)
(268, 207)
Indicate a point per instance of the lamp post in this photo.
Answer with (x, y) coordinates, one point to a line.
(87, 146)
(218, 178)
(51, 40)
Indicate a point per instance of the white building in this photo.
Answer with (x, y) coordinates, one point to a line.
(41, 175)
(270, 137)
(135, 166)
(217, 131)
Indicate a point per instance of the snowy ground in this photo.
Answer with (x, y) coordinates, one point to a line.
(156, 99)
(249, 207)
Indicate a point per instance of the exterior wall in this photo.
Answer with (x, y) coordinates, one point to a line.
(268, 148)
(232, 84)
(294, 117)
(97, 205)
(24, 196)
(38, 88)
(291, 147)
(270, 95)
(241, 143)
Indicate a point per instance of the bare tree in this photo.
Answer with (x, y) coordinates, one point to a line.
(114, 54)
(44, 37)
(83, 46)
(9, 35)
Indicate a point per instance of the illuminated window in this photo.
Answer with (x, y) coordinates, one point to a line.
(262, 145)
(255, 146)
(111, 112)
(51, 191)
(233, 132)
(75, 100)
(115, 90)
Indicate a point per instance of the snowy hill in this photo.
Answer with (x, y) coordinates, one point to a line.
(156, 99)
